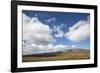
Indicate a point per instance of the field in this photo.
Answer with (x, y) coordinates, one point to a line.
(67, 55)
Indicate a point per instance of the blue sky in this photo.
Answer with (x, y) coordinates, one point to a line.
(63, 21)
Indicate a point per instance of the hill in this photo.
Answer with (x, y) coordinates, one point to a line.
(71, 54)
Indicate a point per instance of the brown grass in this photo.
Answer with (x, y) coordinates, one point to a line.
(73, 55)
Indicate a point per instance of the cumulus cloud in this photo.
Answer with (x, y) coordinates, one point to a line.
(33, 49)
(55, 48)
(26, 19)
(58, 30)
(59, 34)
(37, 49)
(37, 37)
(78, 32)
(36, 32)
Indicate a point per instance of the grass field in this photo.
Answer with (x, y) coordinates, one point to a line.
(67, 55)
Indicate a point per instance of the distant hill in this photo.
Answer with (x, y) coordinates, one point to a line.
(56, 52)
(70, 50)
(45, 54)
(70, 54)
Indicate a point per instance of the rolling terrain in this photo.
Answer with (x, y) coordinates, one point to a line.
(72, 54)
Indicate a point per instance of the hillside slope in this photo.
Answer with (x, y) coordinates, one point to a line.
(66, 55)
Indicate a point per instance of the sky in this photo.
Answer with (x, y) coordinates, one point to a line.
(46, 31)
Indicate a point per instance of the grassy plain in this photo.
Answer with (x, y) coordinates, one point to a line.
(67, 55)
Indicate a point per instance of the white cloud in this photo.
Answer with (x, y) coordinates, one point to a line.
(51, 19)
(36, 49)
(33, 49)
(74, 46)
(78, 32)
(26, 19)
(59, 34)
(60, 47)
(37, 37)
(59, 31)
(36, 32)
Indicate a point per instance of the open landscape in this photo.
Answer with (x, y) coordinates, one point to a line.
(55, 35)
(72, 54)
